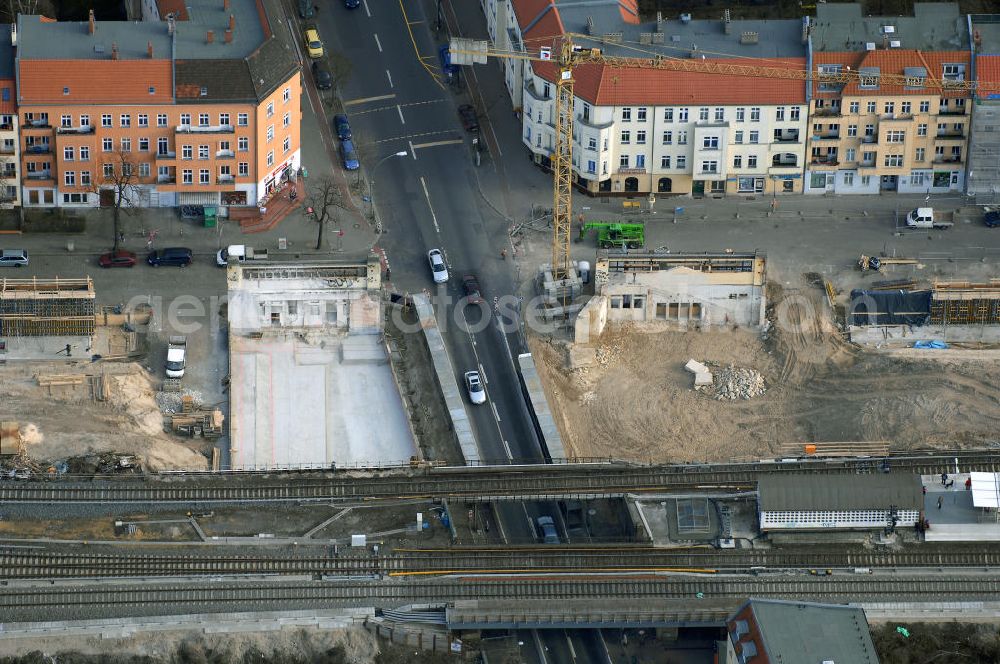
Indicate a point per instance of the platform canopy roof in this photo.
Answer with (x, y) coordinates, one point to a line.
(986, 490)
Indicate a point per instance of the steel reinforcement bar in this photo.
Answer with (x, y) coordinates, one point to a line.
(76, 600)
(485, 483)
(21, 564)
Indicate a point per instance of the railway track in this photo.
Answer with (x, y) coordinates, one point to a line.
(430, 562)
(483, 483)
(68, 601)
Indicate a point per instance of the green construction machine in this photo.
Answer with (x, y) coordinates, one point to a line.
(617, 235)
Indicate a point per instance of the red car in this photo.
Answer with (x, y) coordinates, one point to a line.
(120, 258)
(472, 290)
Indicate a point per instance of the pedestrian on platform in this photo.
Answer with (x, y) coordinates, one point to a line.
(939, 502)
(968, 484)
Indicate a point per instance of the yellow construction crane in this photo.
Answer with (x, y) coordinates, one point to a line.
(568, 55)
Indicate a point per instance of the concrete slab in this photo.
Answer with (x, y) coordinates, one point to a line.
(316, 401)
(50, 349)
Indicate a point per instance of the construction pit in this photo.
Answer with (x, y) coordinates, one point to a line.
(635, 400)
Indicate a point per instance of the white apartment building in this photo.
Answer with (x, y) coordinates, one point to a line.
(701, 148)
(649, 131)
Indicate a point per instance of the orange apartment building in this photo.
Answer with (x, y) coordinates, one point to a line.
(199, 101)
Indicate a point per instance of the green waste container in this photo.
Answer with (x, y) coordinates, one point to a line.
(210, 216)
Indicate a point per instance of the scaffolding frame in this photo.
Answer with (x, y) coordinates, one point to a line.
(47, 307)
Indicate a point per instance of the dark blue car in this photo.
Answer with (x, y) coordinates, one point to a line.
(342, 127)
(446, 66)
(351, 162)
(992, 218)
(352, 4)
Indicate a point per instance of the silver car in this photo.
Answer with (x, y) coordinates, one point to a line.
(474, 383)
(13, 257)
(438, 269)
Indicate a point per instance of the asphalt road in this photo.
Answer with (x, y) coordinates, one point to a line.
(397, 100)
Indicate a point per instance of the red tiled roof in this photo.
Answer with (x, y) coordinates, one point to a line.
(100, 82)
(893, 61)
(988, 70)
(607, 86)
(544, 18)
(177, 7)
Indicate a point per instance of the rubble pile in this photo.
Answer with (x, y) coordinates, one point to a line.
(607, 353)
(732, 383)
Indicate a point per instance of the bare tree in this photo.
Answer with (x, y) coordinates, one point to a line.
(121, 176)
(324, 199)
(28, 7)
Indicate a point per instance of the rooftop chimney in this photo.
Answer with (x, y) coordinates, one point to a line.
(229, 36)
(170, 24)
(210, 37)
(114, 50)
(91, 26)
(885, 41)
(149, 48)
(232, 22)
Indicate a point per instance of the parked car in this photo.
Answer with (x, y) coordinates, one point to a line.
(472, 291)
(992, 218)
(322, 75)
(120, 258)
(179, 256)
(438, 269)
(474, 383)
(445, 56)
(548, 528)
(351, 162)
(352, 4)
(306, 9)
(13, 257)
(470, 119)
(314, 45)
(342, 127)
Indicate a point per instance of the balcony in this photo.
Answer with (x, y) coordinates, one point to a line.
(787, 138)
(951, 111)
(711, 171)
(166, 155)
(82, 130)
(38, 148)
(225, 179)
(827, 113)
(824, 160)
(225, 154)
(37, 123)
(38, 175)
(166, 179)
(6, 127)
(948, 160)
(590, 124)
(869, 140)
(206, 129)
(631, 171)
(951, 135)
(827, 136)
(866, 164)
(7, 149)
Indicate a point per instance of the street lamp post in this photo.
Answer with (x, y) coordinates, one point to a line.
(371, 185)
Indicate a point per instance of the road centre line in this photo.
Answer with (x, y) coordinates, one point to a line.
(365, 100)
(413, 150)
(400, 111)
(392, 96)
(368, 12)
(412, 136)
(430, 207)
(378, 43)
(495, 413)
(389, 76)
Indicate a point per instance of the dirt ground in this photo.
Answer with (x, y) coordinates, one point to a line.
(64, 421)
(638, 402)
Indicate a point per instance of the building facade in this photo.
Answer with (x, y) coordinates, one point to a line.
(870, 136)
(983, 180)
(182, 111)
(10, 147)
(791, 501)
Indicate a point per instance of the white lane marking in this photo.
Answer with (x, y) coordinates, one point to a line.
(413, 150)
(495, 413)
(367, 11)
(390, 78)
(378, 43)
(400, 111)
(482, 372)
(431, 207)
(506, 446)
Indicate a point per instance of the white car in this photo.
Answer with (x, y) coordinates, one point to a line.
(438, 269)
(477, 393)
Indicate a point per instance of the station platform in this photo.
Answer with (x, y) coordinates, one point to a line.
(951, 514)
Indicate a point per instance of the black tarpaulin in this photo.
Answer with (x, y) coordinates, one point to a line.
(898, 307)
